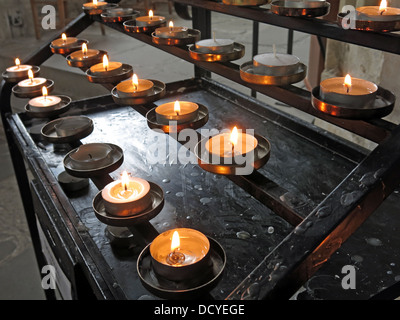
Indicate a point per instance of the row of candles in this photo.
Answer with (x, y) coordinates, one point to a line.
(131, 195)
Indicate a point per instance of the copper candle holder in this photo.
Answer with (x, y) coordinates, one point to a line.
(245, 3)
(68, 49)
(382, 105)
(370, 25)
(95, 159)
(300, 8)
(14, 77)
(85, 62)
(118, 14)
(131, 27)
(236, 164)
(21, 92)
(237, 52)
(67, 129)
(191, 283)
(257, 75)
(49, 112)
(125, 72)
(96, 10)
(192, 36)
(157, 92)
(199, 121)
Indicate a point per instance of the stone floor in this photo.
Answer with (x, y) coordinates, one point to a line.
(19, 275)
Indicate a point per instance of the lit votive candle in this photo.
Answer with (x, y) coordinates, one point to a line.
(64, 42)
(378, 13)
(347, 91)
(231, 144)
(276, 64)
(83, 54)
(171, 31)
(150, 20)
(135, 87)
(31, 84)
(95, 5)
(180, 254)
(179, 111)
(106, 68)
(91, 156)
(19, 70)
(44, 102)
(126, 196)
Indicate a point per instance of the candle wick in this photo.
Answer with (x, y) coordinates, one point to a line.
(177, 113)
(233, 150)
(90, 156)
(348, 89)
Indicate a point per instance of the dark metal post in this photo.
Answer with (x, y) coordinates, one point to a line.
(202, 21)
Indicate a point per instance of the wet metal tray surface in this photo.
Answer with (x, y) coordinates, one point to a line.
(306, 164)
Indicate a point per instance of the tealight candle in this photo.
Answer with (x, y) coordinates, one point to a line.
(135, 87)
(31, 84)
(378, 13)
(44, 102)
(106, 68)
(64, 42)
(19, 70)
(127, 196)
(231, 144)
(83, 54)
(214, 45)
(179, 254)
(95, 5)
(172, 32)
(92, 155)
(348, 91)
(150, 20)
(276, 64)
(179, 111)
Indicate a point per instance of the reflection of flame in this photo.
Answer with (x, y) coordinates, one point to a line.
(347, 82)
(105, 62)
(125, 180)
(44, 92)
(84, 49)
(177, 107)
(17, 62)
(135, 82)
(175, 243)
(383, 7)
(151, 14)
(234, 136)
(64, 37)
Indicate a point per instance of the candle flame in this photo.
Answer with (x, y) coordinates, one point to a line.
(105, 62)
(177, 107)
(84, 49)
(171, 24)
(347, 82)
(151, 14)
(64, 37)
(234, 136)
(30, 74)
(95, 2)
(44, 92)
(135, 82)
(175, 243)
(125, 180)
(17, 62)
(383, 6)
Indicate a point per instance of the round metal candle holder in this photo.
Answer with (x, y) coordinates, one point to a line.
(237, 53)
(12, 78)
(99, 9)
(62, 107)
(68, 49)
(196, 285)
(295, 8)
(382, 106)
(245, 2)
(201, 120)
(157, 93)
(67, 129)
(130, 26)
(370, 25)
(223, 166)
(119, 14)
(156, 205)
(252, 74)
(193, 36)
(25, 93)
(125, 73)
(70, 183)
(87, 62)
(116, 158)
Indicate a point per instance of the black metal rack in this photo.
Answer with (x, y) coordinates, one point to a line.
(316, 190)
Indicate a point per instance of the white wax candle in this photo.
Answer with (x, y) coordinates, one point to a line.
(32, 84)
(22, 68)
(375, 14)
(92, 155)
(172, 32)
(276, 64)
(179, 111)
(94, 5)
(67, 43)
(150, 20)
(215, 45)
(137, 88)
(222, 146)
(44, 102)
(79, 55)
(112, 69)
